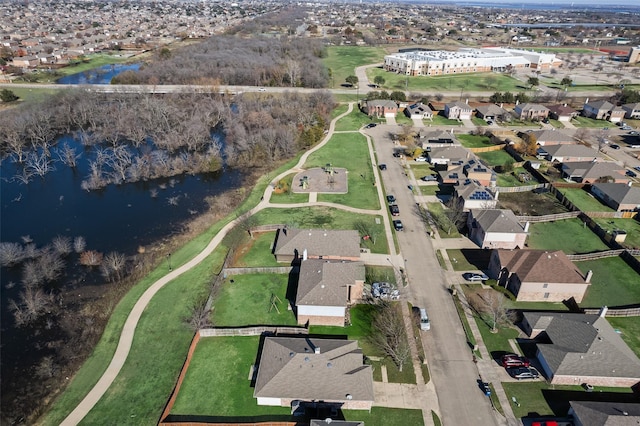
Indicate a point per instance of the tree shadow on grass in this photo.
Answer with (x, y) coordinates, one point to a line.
(477, 257)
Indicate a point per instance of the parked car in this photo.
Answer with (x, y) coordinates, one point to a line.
(631, 173)
(429, 178)
(522, 373)
(489, 122)
(262, 89)
(634, 133)
(470, 276)
(625, 127)
(370, 125)
(391, 199)
(614, 146)
(382, 166)
(397, 225)
(394, 209)
(637, 168)
(396, 154)
(514, 360)
(384, 290)
(421, 159)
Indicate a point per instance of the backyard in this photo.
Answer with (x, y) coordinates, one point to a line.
(496, 158)
(569, 235)
(631, 226)
(530, 203)
(614, 283)
(629, 328)
(350, 151)
(256, 251)
(474, 141)
(584, 200)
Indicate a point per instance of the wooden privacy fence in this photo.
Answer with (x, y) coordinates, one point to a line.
(548, 217)
(613, 312)
(260, 270)
(250, 331)
(525, 188)
(486, 148)
(597, 255)
(614, 215)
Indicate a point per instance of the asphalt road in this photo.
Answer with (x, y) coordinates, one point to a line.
(450, 360)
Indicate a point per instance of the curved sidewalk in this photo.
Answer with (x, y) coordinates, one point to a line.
(128, 330)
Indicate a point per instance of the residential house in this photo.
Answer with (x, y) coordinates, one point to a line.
(532, 112)
(458, 111)
(430, 139)
(490, 112)
(418, 111)
(619, 196)
(632, 110)
(471, 195)
(496, 228)
(309, 369)
(538, 275)
(296, 244)
(25, 61)
(594, 171)
(471, 169)
(603, 110)
(568, 153)
(380, 108)
(325, 289)
(601, 413)
(575, 349)
(552, 137)
(450, 156)
(562, 112)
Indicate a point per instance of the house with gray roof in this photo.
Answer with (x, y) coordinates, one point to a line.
(471, 195)
(594, 171)
(552, 137)
(603, 110)
(458, 111)
(600, 413)
(430, 139)
(451, 156)
(568, 152)
(490, 112)
(578, 348)
(295, 244)
(326, 289)
(310, 369)
(529, 111)
(496, 228)
(631, 110)
(418, 111)
(562, 112)
(538, 275)
(619, 196)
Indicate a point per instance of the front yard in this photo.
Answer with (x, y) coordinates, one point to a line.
(569, 235)
(614, 283)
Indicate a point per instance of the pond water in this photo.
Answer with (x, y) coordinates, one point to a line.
(101, 75)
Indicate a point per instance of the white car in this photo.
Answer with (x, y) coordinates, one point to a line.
(262, 89)
(469, 276)
(421, 159)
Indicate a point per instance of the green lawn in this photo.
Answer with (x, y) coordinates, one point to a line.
(631, 226)
(354, 121)
(441, 120)
(496, 158)
(585, 201)
(256, 252)
(468, 82)
(343, 61)
(474, 141)
(288, 196)
(351, 151)
(217, 381)
(538, 398)
(629, 328)
(382, 416)
(508, 179)
(31, 94)
(446, 228)
(326, 218)
(580, 121)
(247, 300)
(468, 259)
(614, 283)
(340, 109)
(568, 235)
(380, 273)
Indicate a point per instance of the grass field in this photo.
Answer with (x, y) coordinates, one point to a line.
(569, 235)
(496, 158)
(287, 196)
(474, 141)
(343, 61)
(354, 121)
(256, 252)
(446, 228)
(584, 200)
(326, 218)
(629, 328)
(580, 121)
(30, 95)
(467, 82)
(247, 300)
(351, 151)
(340, 109)
(631, 226)
(441, 120)
(614, 283)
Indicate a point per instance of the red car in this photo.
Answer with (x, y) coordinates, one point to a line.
(513, 360)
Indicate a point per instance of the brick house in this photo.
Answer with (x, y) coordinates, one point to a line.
(552, 137)
(562, 112)
(458, 111)
(309, 369)
(565, 153)
(538, 275)
(619, 196)
(326, 289)
(577, 348)
(294, 244)
(471, 195)
(533, 112)
(495, 228)
(603, 110)
(380, 108)
(591, 172)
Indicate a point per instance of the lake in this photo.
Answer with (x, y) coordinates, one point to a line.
(101, 75)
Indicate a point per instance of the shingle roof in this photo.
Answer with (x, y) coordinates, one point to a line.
(491, 109)
(540, 266)
(290, 368)
(596, 413)
(472, 190)
(324, 283)
(583, 345)
(571, 150)
(593, 170)
(530, 107)
(449, 152)
(620, 192)
(601, 105)
(318, 242)
(459, 104)
(496, 220)
(419, 108)
(562, 110)
(545, 136)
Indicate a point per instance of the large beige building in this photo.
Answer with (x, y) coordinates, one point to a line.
(466, 60)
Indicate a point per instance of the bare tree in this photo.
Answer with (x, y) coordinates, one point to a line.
(492, 306)
(91, 258)
(38, 163)
(455, 213)
(390, 336)
(62, 244)
(68, 156)
(114, 266)
(11, 253)
(79, 244)
(32, 303)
